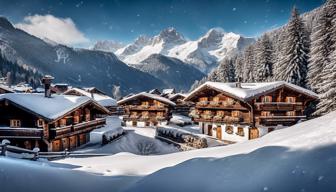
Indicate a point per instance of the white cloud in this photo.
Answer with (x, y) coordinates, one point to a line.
(60, 30)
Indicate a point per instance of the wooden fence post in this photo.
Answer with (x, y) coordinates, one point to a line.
(4, 144)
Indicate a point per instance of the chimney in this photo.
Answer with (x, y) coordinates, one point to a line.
(46, 81)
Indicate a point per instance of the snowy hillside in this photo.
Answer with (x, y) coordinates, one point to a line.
(110, 46)
(299, 158)
(204, 53)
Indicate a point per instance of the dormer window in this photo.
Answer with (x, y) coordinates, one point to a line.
(15, 123)
(40, 123)
(290, 99)
(266, 99)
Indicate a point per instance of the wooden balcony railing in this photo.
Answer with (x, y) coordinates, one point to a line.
(80, 127)
(7, 132)
(147, 108)
(218, 119)
(279, 106)
(219, 105)
(276, 120)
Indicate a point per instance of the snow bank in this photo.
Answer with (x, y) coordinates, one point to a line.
(180, 120)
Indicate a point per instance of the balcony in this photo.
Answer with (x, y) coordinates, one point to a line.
(147, 108)
(85, 126)
(220, 119)
(279, 120)
(279, 106)
(24, 133)
(219, 105)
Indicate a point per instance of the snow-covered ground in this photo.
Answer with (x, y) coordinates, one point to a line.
(298, 158)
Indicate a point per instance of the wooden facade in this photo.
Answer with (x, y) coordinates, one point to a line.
(145, 109)
(25, 128)
(182, 107)
(226, 116)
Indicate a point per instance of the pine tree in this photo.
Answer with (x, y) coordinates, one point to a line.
(293, 67)
(249, 62)
(224, 73)
(328, 86)
(264, 59)
(116, 92)
(321, 42)
(238, 64)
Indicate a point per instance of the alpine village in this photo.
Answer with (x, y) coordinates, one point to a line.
(167, 112)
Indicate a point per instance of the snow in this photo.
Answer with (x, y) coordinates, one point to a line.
(298, 158)
(112, 129)
(103, 100)
(249, 90)
(50, 108)
(149, 95)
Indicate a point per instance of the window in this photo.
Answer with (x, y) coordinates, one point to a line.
(240, 131)
(160, 114)
(145, 103)
(203, 99)
(87, 115)
(235, 113)
(216, 99)
(220, 113)
(40, 123)
(229, 129)
(290, 99)
(266, 99)
(62, 122)
(76, 117)
(15, 123)
(290, 113)
(265, 113)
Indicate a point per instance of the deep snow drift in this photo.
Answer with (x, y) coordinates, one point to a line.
(299, 158)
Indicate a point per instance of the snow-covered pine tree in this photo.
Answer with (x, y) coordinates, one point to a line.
(293, 67)
(116, 93)
(238, 64)
(320, 50)
(328, 86)
(264, 59)
(249, 62)
(224, 73)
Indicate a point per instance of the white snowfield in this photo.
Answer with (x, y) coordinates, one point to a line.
(298, 158)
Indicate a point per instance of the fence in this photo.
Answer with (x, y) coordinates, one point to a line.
(18, 152)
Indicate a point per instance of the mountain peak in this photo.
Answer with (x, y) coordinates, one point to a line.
(5, 23)
(170, 35)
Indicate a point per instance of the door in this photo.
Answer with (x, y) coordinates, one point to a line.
(210, 130)
(73, 142)
(134, 123)
(82, 139)
(254, 133)
(219, 132)
(65, 143)
(56, 145)
(203, 131)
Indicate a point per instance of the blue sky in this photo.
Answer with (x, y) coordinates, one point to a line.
(124, 20)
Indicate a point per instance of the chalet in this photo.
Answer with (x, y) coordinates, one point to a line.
(145, 109)
(166, 92)
(242, 111)
(50, 122)
(97, 95)
(181, 107)
(59, 88)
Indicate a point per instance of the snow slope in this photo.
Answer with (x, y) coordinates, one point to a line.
(304, 153)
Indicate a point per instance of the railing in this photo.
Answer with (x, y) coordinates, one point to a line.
(219, 105)
(58, 131)
(7, 132)
(275, 120)
(147, 108)
(225, 119)
(279, 106)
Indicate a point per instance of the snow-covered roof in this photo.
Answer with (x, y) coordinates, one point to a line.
(144, 94)
(172, 96)
(103, 100)
(250, 90)
(6, 88)
(48, 108)
(168, 91)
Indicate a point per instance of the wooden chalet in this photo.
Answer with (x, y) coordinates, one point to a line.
(182, 107)
(242, 111)
(145, 109)
(97, 95)
(59, 88)
(50, 122)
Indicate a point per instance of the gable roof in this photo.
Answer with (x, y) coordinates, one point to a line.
(250, 90)
(168, 91)
(103, 100)
(48, 108)
(7, 89)
(148, 95)
(173, 96)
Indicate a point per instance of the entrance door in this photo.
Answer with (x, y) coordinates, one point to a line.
(219, 132)
(56, 145)
(65, 143)
(210, 130)
(203, 130)
(73, 142)
(254, 133)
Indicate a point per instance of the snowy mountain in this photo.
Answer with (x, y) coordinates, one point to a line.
(173, 72)
(110, 46)
(203, 53)
(75, 66)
